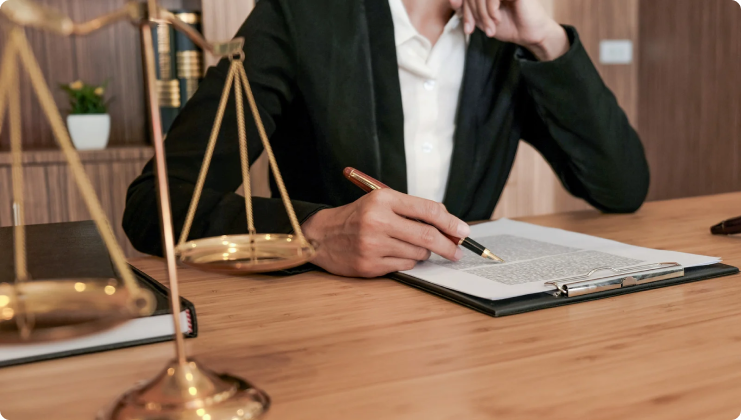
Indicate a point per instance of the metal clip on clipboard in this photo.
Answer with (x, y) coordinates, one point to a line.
(618, 278)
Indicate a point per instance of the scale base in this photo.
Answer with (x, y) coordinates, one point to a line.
(189, 392)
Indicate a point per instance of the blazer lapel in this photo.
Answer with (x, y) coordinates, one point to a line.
(387, 105)
(478, 67)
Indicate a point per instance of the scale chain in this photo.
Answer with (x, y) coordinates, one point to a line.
(11, 91)
(84, 185)
(198, 190)
(243, 154)
(271, 158)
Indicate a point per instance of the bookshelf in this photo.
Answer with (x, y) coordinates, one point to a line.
(113, 54)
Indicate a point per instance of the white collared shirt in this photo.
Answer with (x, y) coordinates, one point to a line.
(430, 78)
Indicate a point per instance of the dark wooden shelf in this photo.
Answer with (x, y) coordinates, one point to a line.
(51, 194)
(55, 156)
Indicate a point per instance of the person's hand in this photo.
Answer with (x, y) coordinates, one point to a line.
(522, 22)
(374, 236)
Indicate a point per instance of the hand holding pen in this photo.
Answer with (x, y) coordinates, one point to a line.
(380, 233)
(368, 184)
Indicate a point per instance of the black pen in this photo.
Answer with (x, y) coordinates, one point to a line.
(729, 227)
(368, 184)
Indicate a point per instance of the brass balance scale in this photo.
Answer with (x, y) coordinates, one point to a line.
(46, 310)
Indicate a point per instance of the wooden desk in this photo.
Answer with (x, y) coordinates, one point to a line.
(333, 348)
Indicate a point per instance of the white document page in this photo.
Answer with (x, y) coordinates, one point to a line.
(534, 255)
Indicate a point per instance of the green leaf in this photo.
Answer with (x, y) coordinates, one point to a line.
(84, 100)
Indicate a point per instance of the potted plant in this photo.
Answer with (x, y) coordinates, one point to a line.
(89, 123)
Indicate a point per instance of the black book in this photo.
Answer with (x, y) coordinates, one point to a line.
(168, 86)
(188, 56)
(76, 250)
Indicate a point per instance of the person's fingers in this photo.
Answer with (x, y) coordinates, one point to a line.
(484, 20)
(398, 264)
(494, 12)
(425, 236)
(396, 214)
(378, 241)
(456, 4)
(381, 266)
(469, 23)
(404, 250)
(472, 6)
(430, 212)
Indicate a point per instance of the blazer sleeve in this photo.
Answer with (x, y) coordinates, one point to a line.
(575, 122)
(271, 68)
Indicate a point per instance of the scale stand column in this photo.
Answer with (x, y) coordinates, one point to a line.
(184, 389)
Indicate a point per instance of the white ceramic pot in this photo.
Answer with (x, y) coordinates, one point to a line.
(89, 131)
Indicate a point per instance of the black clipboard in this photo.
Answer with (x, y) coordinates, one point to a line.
(536, 302)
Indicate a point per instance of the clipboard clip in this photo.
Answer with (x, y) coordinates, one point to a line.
(617, 278)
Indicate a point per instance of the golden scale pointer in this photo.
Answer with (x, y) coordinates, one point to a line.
(46, 310)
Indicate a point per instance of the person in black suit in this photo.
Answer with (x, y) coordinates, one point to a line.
(406, 92)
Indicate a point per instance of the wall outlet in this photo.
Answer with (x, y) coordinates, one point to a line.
(616, 51)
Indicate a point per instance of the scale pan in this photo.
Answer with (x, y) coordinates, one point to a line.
(66, 308)
(238, 254)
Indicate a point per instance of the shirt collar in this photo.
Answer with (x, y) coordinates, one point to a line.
(403, 28)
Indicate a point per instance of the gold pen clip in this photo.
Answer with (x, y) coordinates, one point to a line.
(363, 181)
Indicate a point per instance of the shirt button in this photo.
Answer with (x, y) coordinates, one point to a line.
(427, 147)
(429, 85)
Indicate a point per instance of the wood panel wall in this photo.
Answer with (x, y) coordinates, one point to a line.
(51, 194)
(533, 188)
(110, 54)
(690, 96)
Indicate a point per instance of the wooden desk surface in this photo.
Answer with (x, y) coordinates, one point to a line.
(334, 348)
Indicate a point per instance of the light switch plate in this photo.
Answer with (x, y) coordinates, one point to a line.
(616, 51)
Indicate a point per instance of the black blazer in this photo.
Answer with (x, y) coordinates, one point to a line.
(325, 77)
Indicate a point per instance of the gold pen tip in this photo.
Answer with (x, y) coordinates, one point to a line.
(489, 255)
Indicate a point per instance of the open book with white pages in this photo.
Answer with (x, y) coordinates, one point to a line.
(535, 255)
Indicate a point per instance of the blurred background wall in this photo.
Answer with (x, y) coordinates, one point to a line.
(689, 95)
(679, 87)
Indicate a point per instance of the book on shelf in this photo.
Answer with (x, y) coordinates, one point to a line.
(179, 65)
(188, 57)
